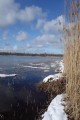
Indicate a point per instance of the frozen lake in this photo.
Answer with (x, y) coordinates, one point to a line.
(19, 98)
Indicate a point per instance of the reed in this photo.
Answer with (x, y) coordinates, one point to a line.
(72, 61)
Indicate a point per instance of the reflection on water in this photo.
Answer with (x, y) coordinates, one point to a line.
(19, 98)
(19, 101)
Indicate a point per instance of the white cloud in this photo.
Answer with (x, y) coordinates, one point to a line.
(10, 12)
(51, 32)
(5, 35)
(30, 13)
(45, 38)
(54, 25)
(15, 47)
(21, 36)
(40, 23)
(48, 40)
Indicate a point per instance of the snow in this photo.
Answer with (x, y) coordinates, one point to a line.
(53, 65)
(55, 110)
(46, 70)
(57, 76)
(35, 67)
(38, 64)
(7, 75)
(61, 65)
(54, 77)
(41, 66)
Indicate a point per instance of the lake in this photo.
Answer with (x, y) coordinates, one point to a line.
(19, 97)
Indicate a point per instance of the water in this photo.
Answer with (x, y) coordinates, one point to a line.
(19, 97)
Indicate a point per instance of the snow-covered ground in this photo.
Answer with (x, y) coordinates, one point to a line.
(54, 77)
(55, 110)
(7, 75)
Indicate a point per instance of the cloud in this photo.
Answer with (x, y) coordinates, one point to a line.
(52, 26)
(11, 12)
(15, 47)
(30, 13)
(44, 39)
(51, 32)
(47, 40)
(40, 23)
(5, 35)
(21, 36)
(8, 10)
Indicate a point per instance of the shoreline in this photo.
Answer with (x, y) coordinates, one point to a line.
(55, 87)
(30, 54)
(52, 89)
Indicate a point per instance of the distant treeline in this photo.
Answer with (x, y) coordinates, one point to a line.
(29, 54)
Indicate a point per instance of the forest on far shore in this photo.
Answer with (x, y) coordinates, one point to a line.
(29, 54)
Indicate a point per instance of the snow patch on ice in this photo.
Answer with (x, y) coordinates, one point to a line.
(7, 75)
(61, 65)
(35, 67)
(53, 65)
(55, 110)
(38, 64)
(46, 70)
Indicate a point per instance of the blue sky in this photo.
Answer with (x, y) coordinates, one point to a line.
(31, 26)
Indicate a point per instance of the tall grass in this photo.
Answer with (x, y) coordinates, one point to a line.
(72, 70)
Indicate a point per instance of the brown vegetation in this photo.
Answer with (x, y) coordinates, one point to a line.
(72, 61)
(53, 88)
(72, 70)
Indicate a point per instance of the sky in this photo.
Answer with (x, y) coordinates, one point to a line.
(31, 26)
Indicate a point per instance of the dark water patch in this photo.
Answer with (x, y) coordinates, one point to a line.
(23, 111)
(20, 101)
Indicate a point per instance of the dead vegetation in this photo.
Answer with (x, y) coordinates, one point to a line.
(72, 70)
(72, 60)
(53, 88)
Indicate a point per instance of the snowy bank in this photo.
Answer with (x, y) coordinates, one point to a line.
(54, 77)
(7, 75)
(57, 76)
(55, 110)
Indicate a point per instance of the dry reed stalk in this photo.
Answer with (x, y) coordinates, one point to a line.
(72, 64)
(72, 60)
